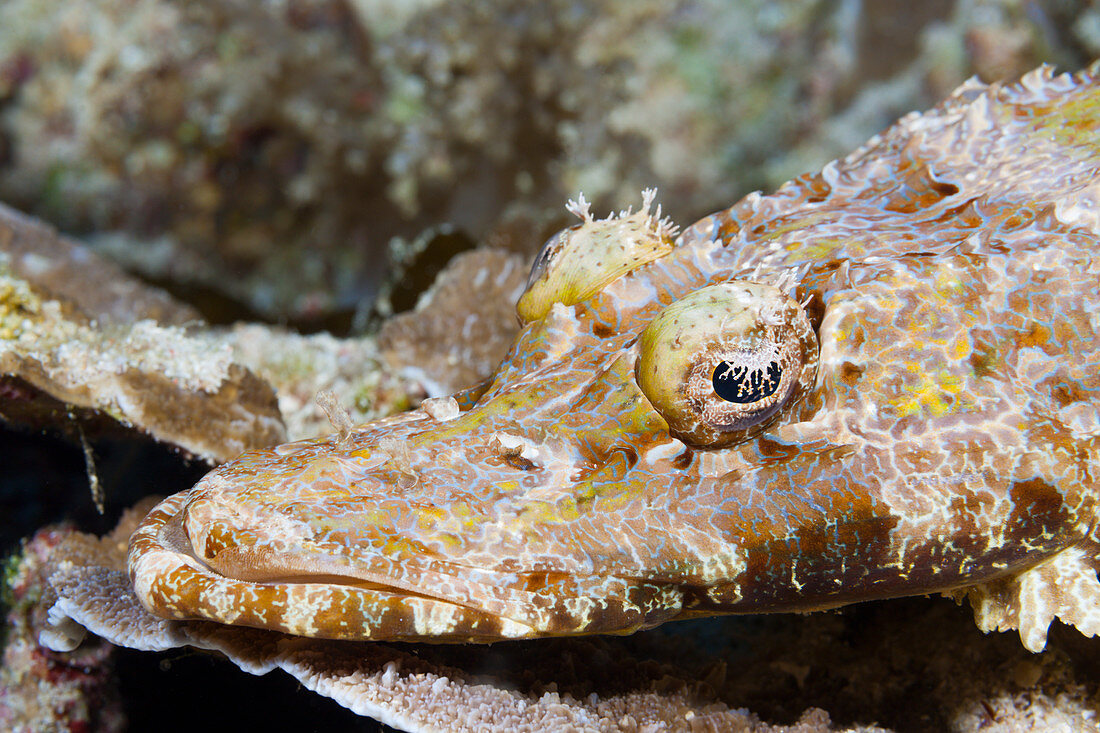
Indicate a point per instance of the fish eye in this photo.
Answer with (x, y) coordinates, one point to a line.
(736, 381)
(724, 362)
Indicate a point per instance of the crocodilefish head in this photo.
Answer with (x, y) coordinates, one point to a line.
(681, 428)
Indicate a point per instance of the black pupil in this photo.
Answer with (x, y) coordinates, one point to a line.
(737, 383)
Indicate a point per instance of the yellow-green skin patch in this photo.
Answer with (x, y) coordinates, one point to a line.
(948, 440)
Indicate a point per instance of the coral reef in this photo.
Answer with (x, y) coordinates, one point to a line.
(64, 357)
(938, 672)
(75, 350)
(76, 334)
(291, 156)
(300, 367)
(835, 393)
(83, 354)
(289, 144)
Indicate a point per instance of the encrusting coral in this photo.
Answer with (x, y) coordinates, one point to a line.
(42, 690)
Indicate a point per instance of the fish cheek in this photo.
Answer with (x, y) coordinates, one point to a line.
(814, 537)
(820, 564)
(1038, 512)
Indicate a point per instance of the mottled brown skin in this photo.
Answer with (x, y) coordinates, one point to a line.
(946, 438)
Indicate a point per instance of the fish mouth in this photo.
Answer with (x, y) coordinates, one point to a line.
(418, 599)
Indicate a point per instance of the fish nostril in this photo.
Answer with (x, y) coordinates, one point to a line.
(517, 451)
(683, 460)
(515, 460)
(613, 462)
